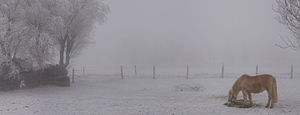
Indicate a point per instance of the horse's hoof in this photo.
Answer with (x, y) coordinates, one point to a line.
(266, 106)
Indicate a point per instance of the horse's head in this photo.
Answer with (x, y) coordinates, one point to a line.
(231, 96)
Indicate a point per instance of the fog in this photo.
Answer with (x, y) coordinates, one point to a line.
(202, 33)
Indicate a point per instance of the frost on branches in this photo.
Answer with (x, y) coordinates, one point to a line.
(36, 33)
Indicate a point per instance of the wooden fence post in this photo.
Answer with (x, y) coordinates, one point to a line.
(135, 71)
(292, 71)
(187, 71)
(222, 72)
(122, 74)
(83, 71)
(73, 73)
(256, 69)
(153, 72)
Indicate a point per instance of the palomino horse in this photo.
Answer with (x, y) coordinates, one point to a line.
(254, 84)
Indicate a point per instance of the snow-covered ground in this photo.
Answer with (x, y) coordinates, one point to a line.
(109, 95)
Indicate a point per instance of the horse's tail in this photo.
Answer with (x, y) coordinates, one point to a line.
(274, 91)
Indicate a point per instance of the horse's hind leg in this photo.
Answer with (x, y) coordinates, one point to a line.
(272, 105)
(269, 100)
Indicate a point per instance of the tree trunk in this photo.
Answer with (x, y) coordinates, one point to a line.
(62, 52)
(69, 46)
(61, 55)
(68, 56)
(67, 59)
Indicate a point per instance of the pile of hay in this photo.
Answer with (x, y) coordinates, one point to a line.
(239, 104)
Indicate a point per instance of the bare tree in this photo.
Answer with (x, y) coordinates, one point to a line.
(72, 24)
(289, 15)
(84, 14)
(64, 24)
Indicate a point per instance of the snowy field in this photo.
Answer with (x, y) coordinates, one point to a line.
(108, 95)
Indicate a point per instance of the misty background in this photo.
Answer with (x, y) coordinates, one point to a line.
(202, 33)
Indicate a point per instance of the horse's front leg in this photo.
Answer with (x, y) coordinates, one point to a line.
(244, 96)
(250, 98)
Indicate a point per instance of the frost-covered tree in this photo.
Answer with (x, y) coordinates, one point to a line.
(12, 28)
(77, 25)
(40, 30)
(289, 15)
(70, 24)
(37, 19)
(12, 36)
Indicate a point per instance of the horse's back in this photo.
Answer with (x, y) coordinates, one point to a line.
(266, 77)
(266, 80)
(256, 83)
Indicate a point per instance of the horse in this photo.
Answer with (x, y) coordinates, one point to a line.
(254, 84)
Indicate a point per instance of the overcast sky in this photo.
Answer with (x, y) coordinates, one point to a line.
(201, 33)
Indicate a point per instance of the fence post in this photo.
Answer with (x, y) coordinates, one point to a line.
(222, 72)
(292, 71)
(83, 71)
(73, 72)
(135, 72)
(153, 72)
(256, 69)
(187, 71)
(122, 74)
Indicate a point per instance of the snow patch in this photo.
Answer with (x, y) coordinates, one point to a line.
(188, 88)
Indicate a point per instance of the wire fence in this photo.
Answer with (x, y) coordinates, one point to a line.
(75, 72)
(160, 72)
(185, 72)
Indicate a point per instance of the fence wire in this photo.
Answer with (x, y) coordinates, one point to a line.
(187, 72)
